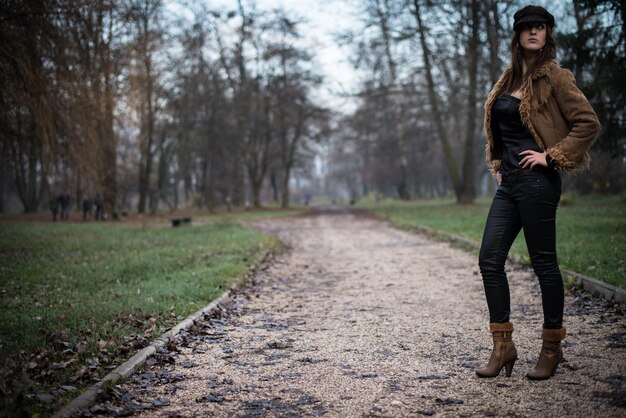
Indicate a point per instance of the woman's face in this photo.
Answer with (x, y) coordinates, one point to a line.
(532, 37)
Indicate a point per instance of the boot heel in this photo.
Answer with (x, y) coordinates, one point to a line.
(554, 370)
(509, 367)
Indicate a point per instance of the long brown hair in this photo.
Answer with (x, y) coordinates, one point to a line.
(547, 53)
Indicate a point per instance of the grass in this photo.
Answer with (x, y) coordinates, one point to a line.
(72, 292)
(591, 230)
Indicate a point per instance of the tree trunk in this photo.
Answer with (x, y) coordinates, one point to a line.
(161, 174)
(187, 182)
(210, 203)
(493, 36)
(79, 190)
(495, 64)
(237, 179)
(256, 194)
(31, 195)
(468, 193)
(256, 180)
(176, 182)
(404, 162)
(242, 98)
(285, 189)
(289, 159)
(144, 186)
(208, 183)
(274, 184)
(148, 122)
(141, 206)
(579, 43)
(259, 147)
(18, 163)
(109, 145)
(434, 104)
(403, 186)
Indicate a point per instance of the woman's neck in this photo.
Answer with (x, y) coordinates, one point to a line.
(528, 59)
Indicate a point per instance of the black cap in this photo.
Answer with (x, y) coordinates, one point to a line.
(532, 14)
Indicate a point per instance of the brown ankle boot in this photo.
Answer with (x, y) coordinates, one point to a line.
(504, 353)
(550, 355)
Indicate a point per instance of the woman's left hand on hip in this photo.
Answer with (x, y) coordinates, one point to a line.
(532, 159)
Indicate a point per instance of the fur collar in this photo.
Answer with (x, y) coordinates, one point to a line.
(534, 95)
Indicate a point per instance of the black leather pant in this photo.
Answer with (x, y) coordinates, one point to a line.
(525, 200)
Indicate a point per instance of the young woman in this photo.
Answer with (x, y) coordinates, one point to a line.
(537, 123)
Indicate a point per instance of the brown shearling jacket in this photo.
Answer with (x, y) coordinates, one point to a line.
(556, 113)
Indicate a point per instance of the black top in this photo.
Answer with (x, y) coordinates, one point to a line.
(514, 135)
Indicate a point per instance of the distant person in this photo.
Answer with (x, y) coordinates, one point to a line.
(54, 207)
(87, 206)
(64, 202)
(99, 208)
(537, 123)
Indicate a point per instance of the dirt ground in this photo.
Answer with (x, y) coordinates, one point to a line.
(360, 319)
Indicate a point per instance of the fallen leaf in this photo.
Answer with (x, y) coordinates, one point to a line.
(211, 397)
(82, 370)
(63, 364)
(448, 401)
(160, 402)
(123, 349)
(45, 397)
(93, 363)
(97, 409)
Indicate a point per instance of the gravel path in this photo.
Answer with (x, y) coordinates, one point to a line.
(360, 319)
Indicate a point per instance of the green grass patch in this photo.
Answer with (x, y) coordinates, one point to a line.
(76, 292)
(591, 230)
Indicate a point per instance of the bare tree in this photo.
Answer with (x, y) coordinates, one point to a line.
(26, 37)
(144, 16)
(435, 102)
(467, 192)
(89, 69)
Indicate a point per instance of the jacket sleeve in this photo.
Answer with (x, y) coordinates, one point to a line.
(570, 154)
(493, 155)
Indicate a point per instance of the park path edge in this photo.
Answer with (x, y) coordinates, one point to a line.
(88, 397)
(594, 286)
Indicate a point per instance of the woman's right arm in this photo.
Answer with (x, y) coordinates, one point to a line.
(569, 152)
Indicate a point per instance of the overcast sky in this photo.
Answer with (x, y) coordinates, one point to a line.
(322, 19)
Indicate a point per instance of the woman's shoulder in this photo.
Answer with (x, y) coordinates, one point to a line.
(548, 69)
(559, 75)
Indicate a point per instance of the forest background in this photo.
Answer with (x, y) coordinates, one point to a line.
(152, 104)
